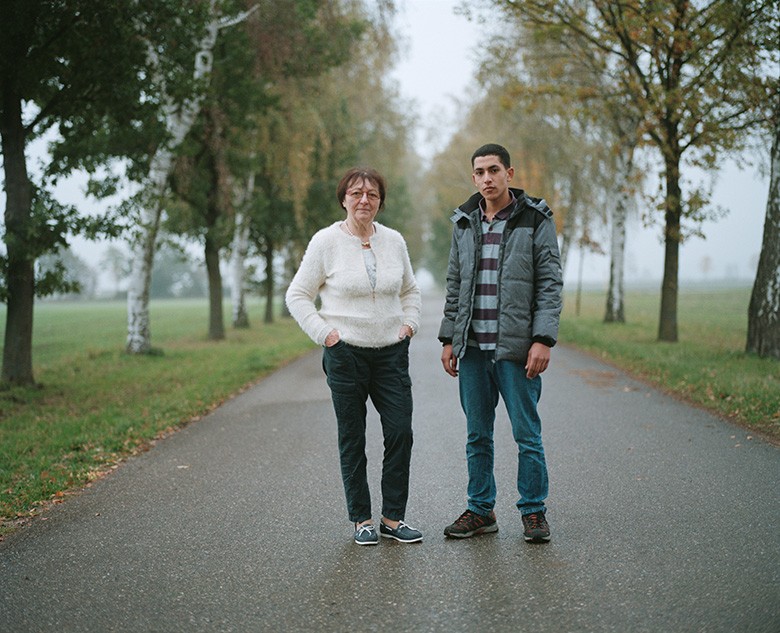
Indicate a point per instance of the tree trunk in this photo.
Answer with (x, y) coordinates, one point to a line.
(269, 282)
(238, 259)
(569, 223)
(615, 297)
(179, 119)
(238, 271)
(20, 276)
(139, 335)
(667, 327)
(615, 309)
(578, 296)
(565, 242)
(763, 337)
(216, 208)
(216, 318)
(292, 259)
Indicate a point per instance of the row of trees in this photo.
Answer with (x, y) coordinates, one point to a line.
(233, 119)
(612, 90)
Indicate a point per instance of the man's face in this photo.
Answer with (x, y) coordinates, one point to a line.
(491, 178)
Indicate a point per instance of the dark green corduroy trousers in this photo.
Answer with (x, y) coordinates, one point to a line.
(355, 374)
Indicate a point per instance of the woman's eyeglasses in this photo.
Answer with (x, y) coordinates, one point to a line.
(357, 195)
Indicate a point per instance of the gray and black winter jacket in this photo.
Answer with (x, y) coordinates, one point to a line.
(529, 278)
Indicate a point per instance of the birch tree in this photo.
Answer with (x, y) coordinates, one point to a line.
(615, 311)
(571, 84)
(179, 114)
(624, 197)
(331, 107)
(285, 43)
(763, 336)
(239, 251)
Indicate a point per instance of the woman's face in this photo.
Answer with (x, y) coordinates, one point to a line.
(362, 201)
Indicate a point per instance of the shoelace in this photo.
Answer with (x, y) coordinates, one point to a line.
(534, 521)
(365, 528)
(401, 524)
(466, 517)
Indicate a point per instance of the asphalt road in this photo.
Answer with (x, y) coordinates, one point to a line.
(664, 518)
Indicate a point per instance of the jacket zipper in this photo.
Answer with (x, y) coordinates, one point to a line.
(477, 228)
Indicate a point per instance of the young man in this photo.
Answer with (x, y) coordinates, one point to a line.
(500, 320)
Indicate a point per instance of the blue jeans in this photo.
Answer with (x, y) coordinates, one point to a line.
(382, 374)
(482, 379)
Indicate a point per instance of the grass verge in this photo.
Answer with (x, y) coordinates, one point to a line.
(707, 366)
(98, 405)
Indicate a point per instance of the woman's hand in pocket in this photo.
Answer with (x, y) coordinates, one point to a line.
(332, 338)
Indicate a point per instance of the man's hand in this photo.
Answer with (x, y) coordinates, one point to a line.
(449, 360)
(538, 360)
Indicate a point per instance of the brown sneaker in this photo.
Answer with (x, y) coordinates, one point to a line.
(535, 528)
(470, 524)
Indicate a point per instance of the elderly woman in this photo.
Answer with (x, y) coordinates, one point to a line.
(370, 309)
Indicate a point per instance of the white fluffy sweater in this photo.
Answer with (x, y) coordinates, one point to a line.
(333, 268)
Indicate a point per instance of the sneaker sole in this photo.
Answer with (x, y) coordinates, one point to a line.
(483, 530)
(537, 539)
(400, 540)
(367, 542)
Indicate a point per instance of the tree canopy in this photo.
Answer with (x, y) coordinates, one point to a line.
(701, 76)
(77, 69)
(296, 91)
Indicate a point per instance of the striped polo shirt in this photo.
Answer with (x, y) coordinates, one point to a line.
(484, 319)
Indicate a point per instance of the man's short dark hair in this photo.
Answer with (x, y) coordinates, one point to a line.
(493, 149)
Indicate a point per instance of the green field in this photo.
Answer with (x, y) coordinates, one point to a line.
(97, 405)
